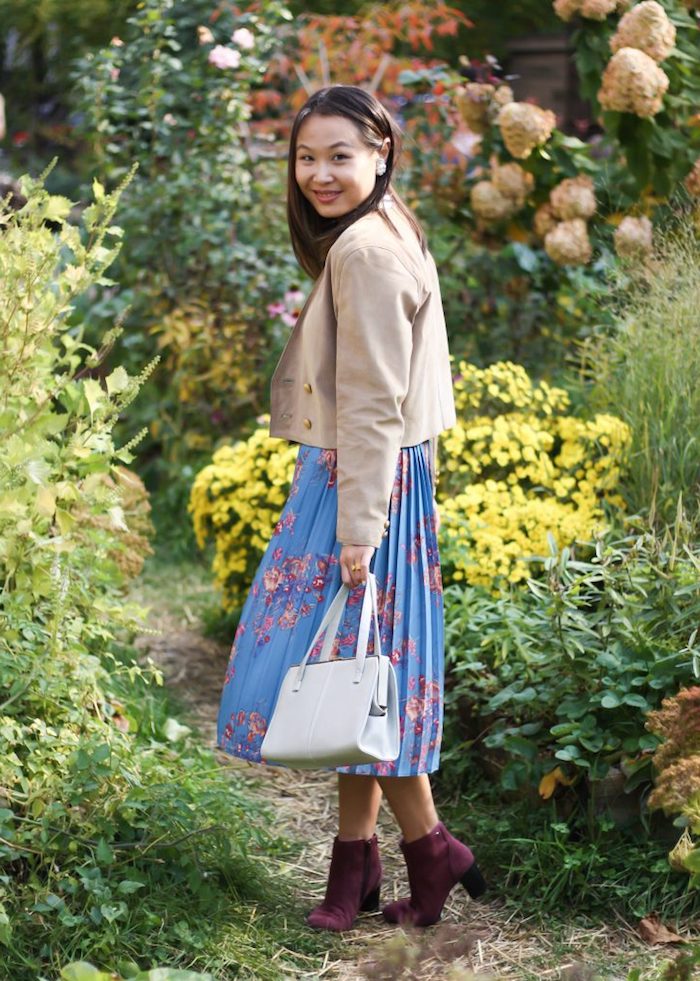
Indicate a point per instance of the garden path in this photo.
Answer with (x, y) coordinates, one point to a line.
(498, 943)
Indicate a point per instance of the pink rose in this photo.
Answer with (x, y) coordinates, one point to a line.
(223, 57)
(243, 38)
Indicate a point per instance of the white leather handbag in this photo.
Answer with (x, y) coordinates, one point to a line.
(342, 711)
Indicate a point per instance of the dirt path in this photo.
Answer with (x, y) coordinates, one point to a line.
(494, 942)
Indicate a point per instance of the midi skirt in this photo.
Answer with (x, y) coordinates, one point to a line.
(295, 583)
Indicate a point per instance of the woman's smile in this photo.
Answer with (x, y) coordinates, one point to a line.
(325, 197)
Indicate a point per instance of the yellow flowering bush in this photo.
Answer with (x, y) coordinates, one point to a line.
(516, 468)
(237, 500)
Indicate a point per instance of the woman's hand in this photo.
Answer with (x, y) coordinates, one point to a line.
(358, 556)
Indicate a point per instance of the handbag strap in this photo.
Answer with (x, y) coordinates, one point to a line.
(331, 622)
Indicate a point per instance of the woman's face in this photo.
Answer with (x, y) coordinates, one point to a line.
(334, 169)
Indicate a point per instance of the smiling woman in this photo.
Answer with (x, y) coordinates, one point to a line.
(364, 387)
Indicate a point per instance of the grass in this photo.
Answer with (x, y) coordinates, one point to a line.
(645, 370)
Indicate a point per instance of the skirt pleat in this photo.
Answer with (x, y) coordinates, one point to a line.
(295, 583)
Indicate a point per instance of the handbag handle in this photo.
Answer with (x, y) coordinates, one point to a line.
(331, 623)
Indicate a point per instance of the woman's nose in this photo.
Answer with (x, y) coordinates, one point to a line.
(323, 173)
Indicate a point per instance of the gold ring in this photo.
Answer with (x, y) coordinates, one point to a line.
(355, 568)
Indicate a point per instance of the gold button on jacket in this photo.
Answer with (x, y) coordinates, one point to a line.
(368, 360)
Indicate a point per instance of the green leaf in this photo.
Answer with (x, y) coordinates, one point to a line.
(105, 854)
(117, 381)
(82, 971)
(93, 393)
(57, 208)
(5, 927)
(128, 886)
(98, 191)
(174, 731)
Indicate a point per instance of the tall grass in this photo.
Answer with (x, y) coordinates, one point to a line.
(647, 370)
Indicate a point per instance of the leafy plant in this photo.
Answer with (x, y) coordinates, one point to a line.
(119, 836)
(206, 249)
(558, 679)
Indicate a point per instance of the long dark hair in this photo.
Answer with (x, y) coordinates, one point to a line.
(312, 235)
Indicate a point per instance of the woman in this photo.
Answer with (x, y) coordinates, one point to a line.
(364, 386)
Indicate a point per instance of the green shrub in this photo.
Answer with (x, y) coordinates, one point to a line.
(206, 246)
(557, 679)
(120, 836)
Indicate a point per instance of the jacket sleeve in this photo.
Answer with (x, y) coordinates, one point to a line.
(376, 299)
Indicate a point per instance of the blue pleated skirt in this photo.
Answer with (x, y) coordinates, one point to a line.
(296, 581)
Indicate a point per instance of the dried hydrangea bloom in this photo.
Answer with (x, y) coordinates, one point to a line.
(473, 101)
(633, 237)
(544, 220)
(647, 27)
(503, 95)
(566, 9)
(592, 9)
(692, 181)
(633, 82)
(573, 198)
(513, 182)
(524, 127)
(489, 204)
(568, 244)
(597, 9)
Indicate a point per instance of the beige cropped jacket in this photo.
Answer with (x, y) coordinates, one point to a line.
(366, 369)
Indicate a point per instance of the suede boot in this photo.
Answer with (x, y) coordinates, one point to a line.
(436, 863)
(353, 885)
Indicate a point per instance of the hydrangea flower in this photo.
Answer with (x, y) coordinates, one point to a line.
(513, 182)
(473, 101)
(503, 95)
(544, 220)
(646, 27)
(568, 244)
(223, 57)
(573, 198)
(591, 9)
(489, 204)
(524, 127)
(633, 237)
(692, 181)
(633, 82)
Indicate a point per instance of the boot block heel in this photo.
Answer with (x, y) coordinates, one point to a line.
(370, 904)
(473, 881)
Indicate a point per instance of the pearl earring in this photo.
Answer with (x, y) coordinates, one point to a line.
(381, 167)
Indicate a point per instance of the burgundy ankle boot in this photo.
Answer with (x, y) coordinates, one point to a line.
(436, 863)
(353, 885)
